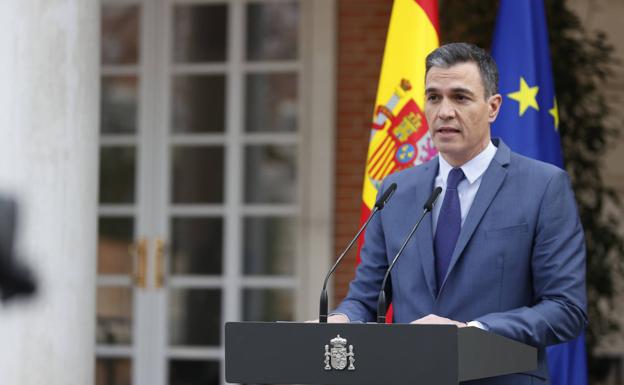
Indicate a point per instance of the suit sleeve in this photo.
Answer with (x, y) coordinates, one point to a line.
(360, 305)
(558, 312)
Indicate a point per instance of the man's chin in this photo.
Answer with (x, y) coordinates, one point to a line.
(449, 147)
(453, 154)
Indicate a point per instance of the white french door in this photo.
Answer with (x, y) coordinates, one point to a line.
(203, 209)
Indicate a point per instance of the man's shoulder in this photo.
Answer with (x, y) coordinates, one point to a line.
(413, 173)
(523, 166)
(533, 168)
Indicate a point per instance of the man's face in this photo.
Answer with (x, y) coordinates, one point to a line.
(457, 112)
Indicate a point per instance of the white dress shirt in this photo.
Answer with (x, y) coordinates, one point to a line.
(468, 187)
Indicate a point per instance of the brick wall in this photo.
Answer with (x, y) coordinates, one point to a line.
(362, 27)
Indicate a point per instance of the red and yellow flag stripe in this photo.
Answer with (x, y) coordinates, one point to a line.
(399, 136)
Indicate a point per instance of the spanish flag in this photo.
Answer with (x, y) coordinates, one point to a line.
(399, 136)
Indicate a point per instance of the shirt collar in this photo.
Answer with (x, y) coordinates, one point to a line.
(474, 168)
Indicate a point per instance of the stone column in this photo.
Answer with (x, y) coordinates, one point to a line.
(49, 92)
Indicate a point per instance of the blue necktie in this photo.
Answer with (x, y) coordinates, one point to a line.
(449, 225)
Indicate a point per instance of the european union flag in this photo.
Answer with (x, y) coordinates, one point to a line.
(528, 122)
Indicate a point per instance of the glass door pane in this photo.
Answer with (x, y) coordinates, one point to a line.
(193, 372)
(270, 188)
(120, 34)
(114, 315)
(194, 317)
(200, 33)
(116, 304)
(118, 104)
(272, 30)
(200, 132)
(198, 104)
(269, 245)
(194, 221)
(197, 174)
(196, 246)
(113, 371)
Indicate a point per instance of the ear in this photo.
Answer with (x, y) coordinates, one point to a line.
(494, 104)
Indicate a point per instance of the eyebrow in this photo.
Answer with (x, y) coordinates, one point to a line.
(462, 90)
(455, 90)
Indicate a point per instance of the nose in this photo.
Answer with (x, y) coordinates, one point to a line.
(447, 110)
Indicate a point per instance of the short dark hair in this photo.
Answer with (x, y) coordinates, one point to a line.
(456, 53)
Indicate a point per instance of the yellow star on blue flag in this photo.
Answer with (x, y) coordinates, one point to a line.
(525, 96)
(555, 113)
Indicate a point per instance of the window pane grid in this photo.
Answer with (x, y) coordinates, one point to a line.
(189, 348)
(271, 67)
(114, 280)
(113, 351)
(182, 281)
(117, 140)
(193, 353)
(116, 210)
(198, 69)
(120, 70)
(121, 83)
(203, 139)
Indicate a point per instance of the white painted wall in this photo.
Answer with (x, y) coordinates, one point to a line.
(319, 115)
(49, 92)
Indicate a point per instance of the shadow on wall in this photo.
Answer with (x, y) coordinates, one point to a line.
(16, 279)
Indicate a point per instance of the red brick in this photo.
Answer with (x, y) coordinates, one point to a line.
(362, 28)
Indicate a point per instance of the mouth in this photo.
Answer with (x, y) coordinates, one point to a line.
(447, 130)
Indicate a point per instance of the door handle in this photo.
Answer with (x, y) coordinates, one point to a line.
(139, 254)
(160, 263)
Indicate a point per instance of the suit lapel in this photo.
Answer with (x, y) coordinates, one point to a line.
(424, 235)
(490, 184)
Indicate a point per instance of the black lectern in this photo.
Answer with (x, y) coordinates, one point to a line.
(368, 354)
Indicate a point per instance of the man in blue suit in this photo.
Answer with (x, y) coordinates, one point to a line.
(503, 249)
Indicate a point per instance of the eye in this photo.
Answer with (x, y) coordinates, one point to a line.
(461, 98)
(432, 98)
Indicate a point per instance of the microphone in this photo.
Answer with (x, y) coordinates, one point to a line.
(381, 302)
(385, 197)
(379, 205)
